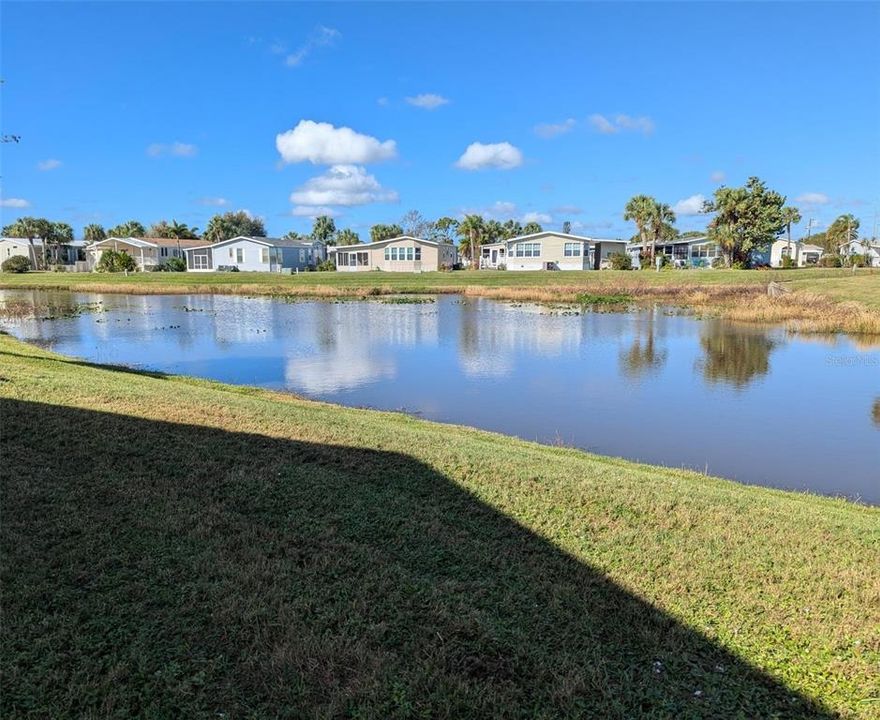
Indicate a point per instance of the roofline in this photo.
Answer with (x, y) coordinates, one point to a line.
(258, 240)
(125, 240)
(359, 246)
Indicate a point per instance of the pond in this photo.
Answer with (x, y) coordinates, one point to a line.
(750, 403)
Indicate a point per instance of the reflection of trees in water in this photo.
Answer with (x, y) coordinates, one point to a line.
(875, 412)
(643, 357)
(735, 355)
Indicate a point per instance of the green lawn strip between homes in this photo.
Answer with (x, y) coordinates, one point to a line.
(173, 546)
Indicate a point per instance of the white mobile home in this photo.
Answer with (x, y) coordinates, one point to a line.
(698, 252)
(66, 256)
(399, 254)
(147, 253)
(550, 250)
(255, 254)
(869, 248)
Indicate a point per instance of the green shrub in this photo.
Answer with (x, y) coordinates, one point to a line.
(787, 262)
(16, 264)
(858, 261)
(738, 265)
(171, 265)
(116, 261)
(620, 261)
(830, 261)
(326, 266)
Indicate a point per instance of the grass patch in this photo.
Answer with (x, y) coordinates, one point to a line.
(178, 547)
(591, 299)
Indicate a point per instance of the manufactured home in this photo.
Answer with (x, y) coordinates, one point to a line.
(255, 254)
(147, 253)
(70, 257)
(869, 248)
(698, 252)
(550, 250)
(801, 253)
(399, 254)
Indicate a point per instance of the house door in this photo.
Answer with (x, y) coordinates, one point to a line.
(494, 257)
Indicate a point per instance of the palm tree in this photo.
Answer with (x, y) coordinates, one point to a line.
(531, 228)
(660, 225)
(31, 228)
(94, 233)
(640, 209)
(182, 231)
(219, 228)
(471, 231)
(324, 229)
(347, 237)
(790, 216)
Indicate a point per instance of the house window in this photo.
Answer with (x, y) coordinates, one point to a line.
(200, 262)
(394, 253)
(528, 250)
(239, 255)
(163, 251)
(572, 249)
(409, 253)
(230, 254)
(302, 255)
(264, 255)
(418, 253)
(387, 253)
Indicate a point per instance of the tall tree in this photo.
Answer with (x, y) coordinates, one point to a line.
(232, 224)
(324, 230)
(470, 230)
(347, 237)
(445, 229)
(747, 218)
(790, 216)
(493, 231)
(294, 235)
(843, 230)
(60, 233)
(511, 229)
(640, 209)
(660, 225)
(132, 228)
(94, 233)
(381, 232)
(31, 228)
(416, 225)
(530, 228)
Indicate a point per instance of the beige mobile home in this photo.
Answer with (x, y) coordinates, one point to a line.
(550, 251)
(399, 254)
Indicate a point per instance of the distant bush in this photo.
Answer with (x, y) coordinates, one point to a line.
(738, 265)
(326, 266)
(858, 261)
(830, 261)
(620, 261)
(116, 261)
(787, 262)
(16, 264)
(171, 265)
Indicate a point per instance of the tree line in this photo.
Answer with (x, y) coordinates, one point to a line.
(747, 219)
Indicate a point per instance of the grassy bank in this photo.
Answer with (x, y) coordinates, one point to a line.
(821, 300)
(174, 547)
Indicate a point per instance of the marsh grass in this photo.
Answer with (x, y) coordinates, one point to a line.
(178, 547)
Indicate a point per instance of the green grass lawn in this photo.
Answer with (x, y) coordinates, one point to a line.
(810, 278)
(181, 548)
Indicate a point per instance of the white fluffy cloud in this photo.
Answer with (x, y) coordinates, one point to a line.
(214, 201)
(324, 144)
(14, 203)
(718, 176)
(50, 164)
(537, 217)
(551, 130)
(621, 122)
(427, 101)
(321, 37)
(812, 198)
(177, 149)
(345, 185)
(479, 156)
(692, 205)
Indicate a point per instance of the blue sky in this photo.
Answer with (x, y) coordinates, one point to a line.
(167, 110)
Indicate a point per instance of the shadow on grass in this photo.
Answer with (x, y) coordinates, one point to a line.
(159, 569)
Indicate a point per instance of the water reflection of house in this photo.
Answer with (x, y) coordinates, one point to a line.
(355, 343)
(550, 251)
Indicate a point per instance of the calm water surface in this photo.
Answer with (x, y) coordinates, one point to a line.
(742, 402)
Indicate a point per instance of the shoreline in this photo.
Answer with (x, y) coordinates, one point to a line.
(798, 307)
(244, 470)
